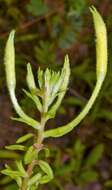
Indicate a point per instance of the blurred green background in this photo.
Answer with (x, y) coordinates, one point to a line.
(45, 31)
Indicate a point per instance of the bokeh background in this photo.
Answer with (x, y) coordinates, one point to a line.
(46, 30)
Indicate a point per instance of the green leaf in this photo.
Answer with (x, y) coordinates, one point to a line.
(37, 8)
(35, 126)
(18, 181)
(11, 173)
(15, 147)
(35, 179)
(35, 99)
(24, 138)
(40, 78)
(21, 168)
(30, 155)
(30, 78)
(47, 170)
(94, 156)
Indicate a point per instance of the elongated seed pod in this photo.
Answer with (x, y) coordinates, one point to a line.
(9, 61)
(101, 69)
(101, 44)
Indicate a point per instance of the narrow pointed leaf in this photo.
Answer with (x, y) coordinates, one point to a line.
(35, 179)
(11, 173)
(30, 155)
(35, 100)
(24, 138)
(48, 171)
(21, 168)
(15, 147)
(30, 78)
(34, 125)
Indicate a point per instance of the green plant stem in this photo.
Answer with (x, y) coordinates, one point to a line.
(38, 145)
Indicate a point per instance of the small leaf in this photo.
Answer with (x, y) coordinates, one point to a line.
(15, 147)
(11, 173)
(30, 155)
(24, 138)
(21, 168)
(40, 78)
(35, 126)
(48, 171)
(18, 181)
(35, 99)
(35, 179)
(30, 78)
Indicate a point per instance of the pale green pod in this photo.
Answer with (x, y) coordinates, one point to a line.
(101, 68)
(101, 44)
(9, 61)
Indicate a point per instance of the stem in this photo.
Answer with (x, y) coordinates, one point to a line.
(38, 146)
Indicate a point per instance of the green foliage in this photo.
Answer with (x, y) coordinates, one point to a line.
(42, 52)
(37, 8)
(78, 167)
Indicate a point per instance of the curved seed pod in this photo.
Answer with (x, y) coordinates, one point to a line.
(101, 43)
(101, 67)
(9, 60)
